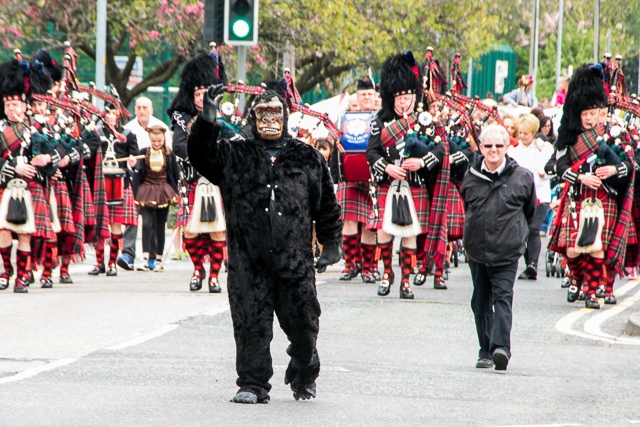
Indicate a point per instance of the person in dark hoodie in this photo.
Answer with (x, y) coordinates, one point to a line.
(500, 201)
(273, 188)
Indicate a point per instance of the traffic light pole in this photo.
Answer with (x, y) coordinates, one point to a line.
(242, 70)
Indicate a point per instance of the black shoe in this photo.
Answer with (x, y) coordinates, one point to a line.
(21, 286)
(376, 274)
(445, 274)
(349, 273)
(4, 281)
(573, 292)
(405, 291)
(367, 277)
(500, 359)
(592, 302)
(600, 291)
(484, 363)
(610, 300)
(438, 283)
(214, 286)
(46, 282)
(196, 281)
(420, 279)
(582, 296)
(529, 273)
(385, 284)
(65, 278)
(112, 270)
(566, 282)
(97, 269)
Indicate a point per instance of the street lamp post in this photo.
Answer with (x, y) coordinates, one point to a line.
(101, 48)
(559, 48)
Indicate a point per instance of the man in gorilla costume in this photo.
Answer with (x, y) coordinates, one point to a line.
(273, 188)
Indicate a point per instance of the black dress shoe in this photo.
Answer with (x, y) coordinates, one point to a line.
(214, 286)
(348, 273)
(376, 274)
(97, 269)
(600, 291)
(196, 281)
(566, 282)
(582, 296)
(112, 270)
(445, 274)
(46, 282)
(21, 286)
(4, 281)
(610, 300)
(405, 291)
(529, 273)
(65, 278)
(367, 277)
(385, 284)
(573, 292)
(438, 283)
(592, 302)
(420, 278)
(500, 359)
(484, 363)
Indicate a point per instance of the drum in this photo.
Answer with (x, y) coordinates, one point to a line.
(114, 185)
(356, 131)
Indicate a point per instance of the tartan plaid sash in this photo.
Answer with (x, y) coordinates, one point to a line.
(397, 129)
(11, 137)
(618, 244)
(436, 243)
(586, 145)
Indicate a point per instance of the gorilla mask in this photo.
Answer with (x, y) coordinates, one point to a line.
(269, 118)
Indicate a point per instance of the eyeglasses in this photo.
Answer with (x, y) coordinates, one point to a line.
(490, 146)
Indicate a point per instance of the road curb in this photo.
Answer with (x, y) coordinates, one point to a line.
(633, 326)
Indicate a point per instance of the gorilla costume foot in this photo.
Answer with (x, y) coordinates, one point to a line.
(306, 393)
(248, 397)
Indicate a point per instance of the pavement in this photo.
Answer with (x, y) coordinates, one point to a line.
(142, 350)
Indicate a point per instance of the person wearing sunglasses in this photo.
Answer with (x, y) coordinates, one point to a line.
(500, 201)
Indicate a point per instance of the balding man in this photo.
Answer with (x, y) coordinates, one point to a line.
(138, 126)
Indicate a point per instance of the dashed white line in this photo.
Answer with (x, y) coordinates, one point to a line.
(35, 371)
(542, 425)
(142, 338)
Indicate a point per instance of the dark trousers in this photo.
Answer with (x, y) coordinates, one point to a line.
(154, 222)
(491, 303)
(534, 244)
(130, 237)
(255, 294)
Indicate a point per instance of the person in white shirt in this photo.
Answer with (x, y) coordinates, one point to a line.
(144, 120)
(533, 154)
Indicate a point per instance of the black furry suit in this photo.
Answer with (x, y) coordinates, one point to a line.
(270, 256)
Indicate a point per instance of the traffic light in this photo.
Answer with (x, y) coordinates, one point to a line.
(241, 22)
(213, 30)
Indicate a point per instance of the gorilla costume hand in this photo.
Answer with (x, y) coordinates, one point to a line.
(330, 255)
(211, 102)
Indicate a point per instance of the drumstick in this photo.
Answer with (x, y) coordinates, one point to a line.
(124, 159)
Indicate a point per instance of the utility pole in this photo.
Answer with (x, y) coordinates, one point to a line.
(596, 32)
(559, 48)
(535, 46)
(242, 71)
(101, 49)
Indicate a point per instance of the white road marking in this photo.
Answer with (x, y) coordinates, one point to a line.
(592, 327)
(142, 338)
(35, 371)
(542, 425)
(216, 311)
(634, 421)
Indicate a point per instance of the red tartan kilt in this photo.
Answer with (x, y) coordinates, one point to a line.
(355, 201)
(41, 211)
(126, 213)
(90, 212)
(420, 200)
(65, 209)
(567, 234)
(455, 214)
(183, 215)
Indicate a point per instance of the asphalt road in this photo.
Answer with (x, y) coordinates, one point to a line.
(141, 350)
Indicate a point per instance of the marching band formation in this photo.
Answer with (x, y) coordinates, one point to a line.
(71, 176)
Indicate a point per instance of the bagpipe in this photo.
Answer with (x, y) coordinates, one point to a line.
(473, 103)
(463, 121)
(115, 100)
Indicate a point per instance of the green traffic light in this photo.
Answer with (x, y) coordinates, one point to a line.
(241, 28)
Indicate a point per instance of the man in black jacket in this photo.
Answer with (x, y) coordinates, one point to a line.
(273, 188)
(500, 201)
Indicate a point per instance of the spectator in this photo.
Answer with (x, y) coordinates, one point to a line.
(533, 153)
(144, 119)
(558, 98)
(157, 177)
(325, 146)
(510, 125)
(546, 132)
(523, 95)
(353, 103)
(500, 200)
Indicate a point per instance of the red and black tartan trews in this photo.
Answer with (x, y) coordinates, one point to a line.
(355, 201)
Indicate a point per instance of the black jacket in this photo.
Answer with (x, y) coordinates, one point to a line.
(498, 212)
(173, 172)
(269, 207)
